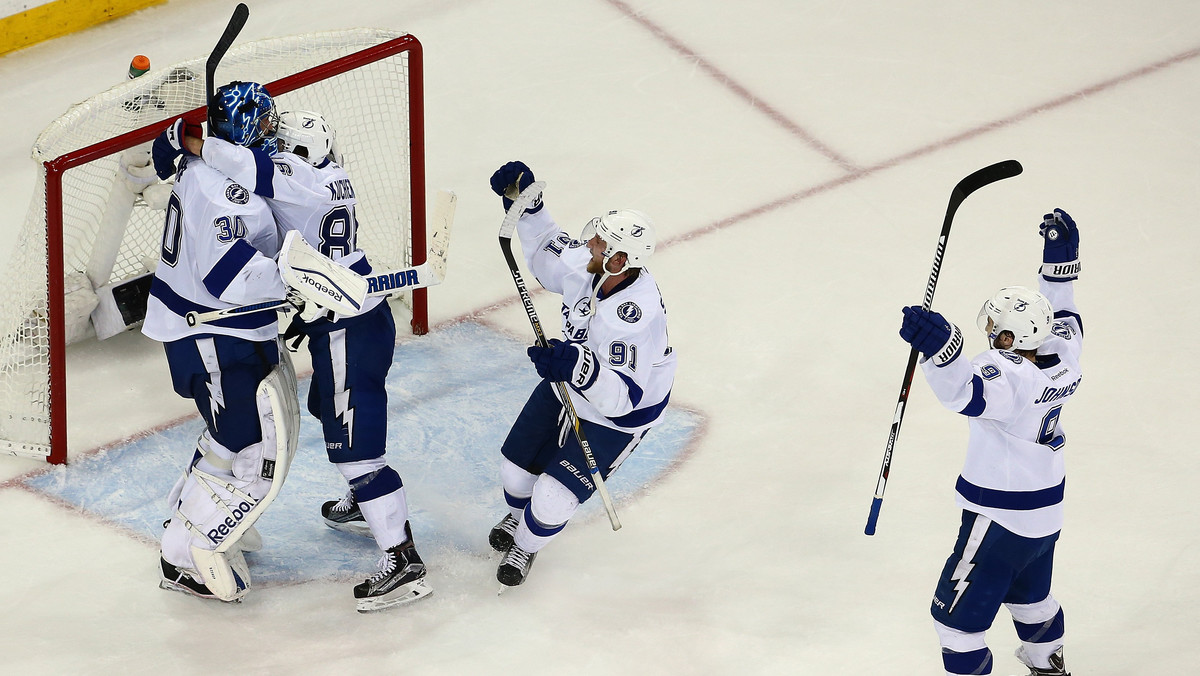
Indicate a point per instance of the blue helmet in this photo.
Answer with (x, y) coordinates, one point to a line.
(243, 113)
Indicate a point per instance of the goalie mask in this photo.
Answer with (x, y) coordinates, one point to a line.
(243, 114)
(1023, 312)
(306, 134)
(624, 231)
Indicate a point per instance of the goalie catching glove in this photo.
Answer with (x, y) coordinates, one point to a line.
(322, 283)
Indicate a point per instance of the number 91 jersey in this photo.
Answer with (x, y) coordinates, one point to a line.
(1014, 472)
(627, 334)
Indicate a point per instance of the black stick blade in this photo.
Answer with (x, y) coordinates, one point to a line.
(987, 175)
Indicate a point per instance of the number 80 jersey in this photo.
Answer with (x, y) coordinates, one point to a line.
(1014, 472)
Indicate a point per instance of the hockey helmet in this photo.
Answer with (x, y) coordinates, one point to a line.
(306, 134)
(624, 231)
(1023, 312)
(243, 113)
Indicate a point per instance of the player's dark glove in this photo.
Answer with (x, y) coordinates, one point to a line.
(931, 334)
(1060, 251)
(510, 180)
(169, 146)
(571, 363)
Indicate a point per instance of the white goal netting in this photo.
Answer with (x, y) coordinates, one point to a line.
(365, 82)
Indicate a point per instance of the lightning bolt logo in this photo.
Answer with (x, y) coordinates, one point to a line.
(967, 563)
(341, 396)
(961, 572)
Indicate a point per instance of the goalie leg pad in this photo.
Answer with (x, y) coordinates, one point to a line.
(219, 506)
(225, 574)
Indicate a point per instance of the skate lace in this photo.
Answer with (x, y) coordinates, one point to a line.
(345, 504)
(387, 564)
(518, 557)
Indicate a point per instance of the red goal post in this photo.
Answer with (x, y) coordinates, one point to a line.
(87, 236)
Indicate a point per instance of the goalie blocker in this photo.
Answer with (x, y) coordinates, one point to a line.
(219, 509)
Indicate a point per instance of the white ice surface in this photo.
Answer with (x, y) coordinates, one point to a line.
(797, 158)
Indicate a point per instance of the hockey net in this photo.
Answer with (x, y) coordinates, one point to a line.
(87, 236)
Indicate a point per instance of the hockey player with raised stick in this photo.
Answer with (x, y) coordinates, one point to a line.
(615, 360)
(218, 246)
(1012, 482)
(311, 194)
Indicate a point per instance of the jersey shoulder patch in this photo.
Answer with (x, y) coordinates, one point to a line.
(237, 194)
(1011, 356)
(629, 311)
(1061, 330)
(990, 372)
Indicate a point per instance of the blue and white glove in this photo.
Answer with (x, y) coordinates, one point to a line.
(572, 363)
(518, 174)
(931, 334)
(167, 148)
(1060, 251)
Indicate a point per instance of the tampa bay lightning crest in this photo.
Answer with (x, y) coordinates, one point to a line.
(237, 194)
(629, 311)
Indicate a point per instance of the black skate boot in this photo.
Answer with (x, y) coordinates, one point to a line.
(183, 580)
(515, 567)
(501, 537)
(344, 515)
(1058, 666)
(401, 578)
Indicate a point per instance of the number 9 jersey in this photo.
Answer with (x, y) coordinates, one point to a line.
(1014, 471)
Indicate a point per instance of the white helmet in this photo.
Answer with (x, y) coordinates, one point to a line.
(624, 231)
(1024, 312)
(306, 134)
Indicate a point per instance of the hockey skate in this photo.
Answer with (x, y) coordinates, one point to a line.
(344, 515)
(1058, 666)
(501, 537)
(515, 567)
(186, 581)
(400, 580)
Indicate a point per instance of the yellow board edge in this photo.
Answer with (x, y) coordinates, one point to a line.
(61, 17)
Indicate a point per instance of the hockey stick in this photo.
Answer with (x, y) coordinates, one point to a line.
(430, 273)
(236, 22)
(985, 176)
(520, 203)
(382, 284)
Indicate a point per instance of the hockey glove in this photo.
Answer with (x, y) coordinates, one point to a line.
(571, 363)
(510, 180)
(169, 146)
(931, 334)
(1060, 252)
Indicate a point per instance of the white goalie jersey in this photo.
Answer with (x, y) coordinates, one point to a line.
(316, 201)
(627, 335)
(1014, 471)
(219, 244)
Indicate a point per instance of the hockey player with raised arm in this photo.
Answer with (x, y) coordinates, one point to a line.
(1012, 482)
(615, 359)
(309, 192)
(218, 247)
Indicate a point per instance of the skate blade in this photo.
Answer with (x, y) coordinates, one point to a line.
(353, 528)
(400, 596)
(175, 587)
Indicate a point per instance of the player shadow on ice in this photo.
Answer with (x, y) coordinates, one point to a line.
(452, 396)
